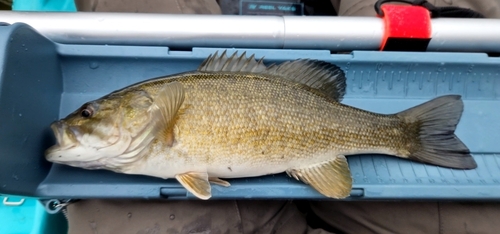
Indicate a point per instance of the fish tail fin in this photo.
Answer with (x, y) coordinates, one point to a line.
(435, 122)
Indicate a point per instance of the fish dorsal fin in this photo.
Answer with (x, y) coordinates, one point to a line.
(166, 106)
(222, 63)
(197, 183)
(324, 78)
(319, 77)
(332, 178)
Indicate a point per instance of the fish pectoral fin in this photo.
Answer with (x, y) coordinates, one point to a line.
(332, 178)
(166, 106)
(197, 183)
(217, 181)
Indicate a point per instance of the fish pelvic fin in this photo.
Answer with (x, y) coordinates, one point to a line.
(217, 181)
(165, 109)
(196, 183)
(321, 78)
(331, 178)
(435, 122)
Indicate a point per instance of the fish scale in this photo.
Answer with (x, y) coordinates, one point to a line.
(307, 125)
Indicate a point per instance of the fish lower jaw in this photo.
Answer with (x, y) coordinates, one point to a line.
(90, 165)
(55, 157)
(52, 151)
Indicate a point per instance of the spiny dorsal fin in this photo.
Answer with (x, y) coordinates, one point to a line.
(322, 77)
(332, 179)
(222, 63)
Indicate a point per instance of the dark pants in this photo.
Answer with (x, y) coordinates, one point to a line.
(142, 216)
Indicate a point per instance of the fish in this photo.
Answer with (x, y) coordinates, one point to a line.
(236, 117)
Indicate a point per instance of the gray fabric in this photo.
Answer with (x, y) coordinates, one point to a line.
(258, 216)
(156, 216)
(150, 6)
(489, 8)
(409, 217)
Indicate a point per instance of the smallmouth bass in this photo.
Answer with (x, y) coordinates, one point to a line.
(236, 117)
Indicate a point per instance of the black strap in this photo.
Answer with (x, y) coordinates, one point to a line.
(457, 12)
(436, 12)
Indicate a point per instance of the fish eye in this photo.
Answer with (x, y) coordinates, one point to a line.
(86, 112)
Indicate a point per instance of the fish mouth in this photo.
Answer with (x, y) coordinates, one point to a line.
(65, 139)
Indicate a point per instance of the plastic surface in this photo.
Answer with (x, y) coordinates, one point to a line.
(31, 85)
(22, 215)
(49, 81)
(44, 5)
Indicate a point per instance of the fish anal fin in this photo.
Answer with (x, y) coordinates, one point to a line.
(217, 181)
(331, 178)
(196, 183)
